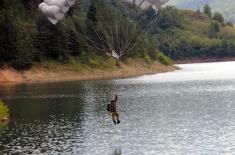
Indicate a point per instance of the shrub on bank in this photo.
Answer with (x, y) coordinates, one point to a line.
(4, 111)
(163, 58)
(76, 65)
(147, 58)
(93, 62)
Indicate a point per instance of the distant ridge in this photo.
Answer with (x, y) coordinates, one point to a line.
(226, 7)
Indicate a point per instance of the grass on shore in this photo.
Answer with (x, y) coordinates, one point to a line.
(4, 111)
(92, 62)
(93, 68)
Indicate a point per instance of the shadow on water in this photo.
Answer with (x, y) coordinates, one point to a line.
(2, 128)
(117, 151)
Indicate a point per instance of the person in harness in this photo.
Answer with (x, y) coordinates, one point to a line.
(112, 109)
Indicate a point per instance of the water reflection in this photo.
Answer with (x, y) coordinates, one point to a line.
(117, 151)
(3, 126)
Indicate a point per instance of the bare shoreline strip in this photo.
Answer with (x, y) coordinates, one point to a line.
(60, 72)
(204, 60)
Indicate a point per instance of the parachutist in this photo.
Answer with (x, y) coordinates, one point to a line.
(118, 64)
(112, 109)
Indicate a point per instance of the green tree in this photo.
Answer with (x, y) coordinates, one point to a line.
(218, 17)
(229, 24)
(16, 40)
(207, 10)
(4, 110)
(214, 28)
(92, 13)
(169, 17)
(198, 12)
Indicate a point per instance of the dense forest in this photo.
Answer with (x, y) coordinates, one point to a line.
(27, 37)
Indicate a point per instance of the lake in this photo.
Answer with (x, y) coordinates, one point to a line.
(188, 111)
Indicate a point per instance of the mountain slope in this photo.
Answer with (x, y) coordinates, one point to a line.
(226, 7)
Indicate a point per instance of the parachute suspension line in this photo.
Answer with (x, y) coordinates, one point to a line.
(116, 37)
(117, 42)
(126, 30)
(106, 27)
(127, 36)
(114, 41)
(144, 32)
(123, 34)
(101, 38)
(131, 37)
(97, 45)
(141, 2)
(119, 35)
(88, 39)
(54, 10)
(112, 36)
(94, 43)
(147, 30)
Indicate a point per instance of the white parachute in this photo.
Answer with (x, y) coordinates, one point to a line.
(145, 4)
(55, 10)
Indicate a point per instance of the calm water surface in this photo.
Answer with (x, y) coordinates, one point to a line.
(189, 111)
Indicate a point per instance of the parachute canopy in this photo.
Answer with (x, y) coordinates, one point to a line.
(145, 4)
(55, 10)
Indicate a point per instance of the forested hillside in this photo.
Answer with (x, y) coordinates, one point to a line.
(27, 36)
(185, 34)
(81, 37)
(226, 7)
